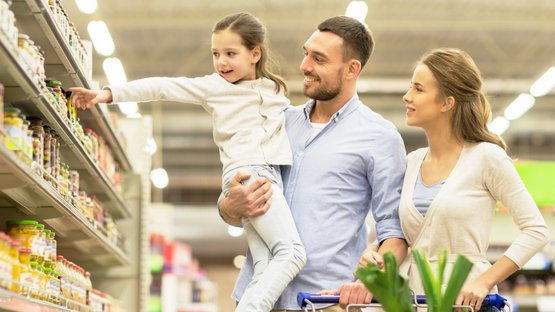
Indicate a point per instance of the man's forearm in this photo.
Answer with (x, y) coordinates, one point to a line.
(397, 246)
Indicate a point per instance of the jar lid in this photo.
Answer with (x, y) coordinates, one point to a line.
(21, 222)
(11, 109)
(34, 264)
(23, 36)
(53, 82)
(25, 250)
(40, 226)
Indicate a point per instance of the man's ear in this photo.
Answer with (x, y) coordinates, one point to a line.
(353, 69)
(448, 104)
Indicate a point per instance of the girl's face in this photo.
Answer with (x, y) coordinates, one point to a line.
(231, 59)
(425, 105)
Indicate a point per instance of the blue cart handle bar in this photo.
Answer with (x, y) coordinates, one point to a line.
(493, 300)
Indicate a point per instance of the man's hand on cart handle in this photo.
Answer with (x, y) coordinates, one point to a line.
(350, 293)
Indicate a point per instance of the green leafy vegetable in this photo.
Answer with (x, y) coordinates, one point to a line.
(437, 300)
(390, 288)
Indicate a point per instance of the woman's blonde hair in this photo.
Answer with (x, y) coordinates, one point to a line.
(458, 76)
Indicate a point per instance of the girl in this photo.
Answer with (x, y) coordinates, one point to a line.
(247, 103)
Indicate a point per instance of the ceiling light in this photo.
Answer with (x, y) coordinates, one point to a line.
(101, 38)
(151, 146)
(128, 108)
(357, 10)
(238, 261)
(113, 69)
(519, 106)
(234, 231)
(499, 125)
(86, 6)
(159, 178)
(544, 84)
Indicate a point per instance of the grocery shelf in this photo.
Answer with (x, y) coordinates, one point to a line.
(34, 18)
(36, 198)
(19, 86)
(14, 302)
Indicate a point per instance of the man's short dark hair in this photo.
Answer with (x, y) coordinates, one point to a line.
(357, 39)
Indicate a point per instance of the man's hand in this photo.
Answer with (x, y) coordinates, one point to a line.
(354, 293)
(248, 201)
(350, 293)
(85, 98)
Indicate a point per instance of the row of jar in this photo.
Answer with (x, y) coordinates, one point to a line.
(36, 143)
(39, 146)
(65, 283)
(30, 53)
(80, 49)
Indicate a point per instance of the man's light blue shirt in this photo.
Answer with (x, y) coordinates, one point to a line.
(355, 163)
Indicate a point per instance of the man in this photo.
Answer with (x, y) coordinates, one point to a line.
(346, 160)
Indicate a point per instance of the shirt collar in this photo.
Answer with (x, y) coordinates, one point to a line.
(347, 108)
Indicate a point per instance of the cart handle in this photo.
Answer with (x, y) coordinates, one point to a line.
(493, 300)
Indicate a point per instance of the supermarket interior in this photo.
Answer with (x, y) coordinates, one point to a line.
(114, 208)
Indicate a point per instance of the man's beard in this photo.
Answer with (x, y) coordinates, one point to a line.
(324, 93)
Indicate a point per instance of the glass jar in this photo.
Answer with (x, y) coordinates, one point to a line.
(46, 151)
(36, 279)
(28, 142)
(40, 243)
(56, 87)
(23, 231)
(16, 266)
(13, 128)
(25, 274)
(5, 263)
(38, 143)
(53, 156)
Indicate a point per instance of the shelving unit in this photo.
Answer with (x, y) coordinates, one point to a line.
(35, 18)
(38, 199)
(24, 194)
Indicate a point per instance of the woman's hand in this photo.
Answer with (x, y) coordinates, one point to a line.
(473, 294)
(85, 98)
(371, 255)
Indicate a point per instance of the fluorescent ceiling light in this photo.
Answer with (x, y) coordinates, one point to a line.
(519, 106)
(234, 231)
(86, 6)
(499, 125)
(151, 146)
(238, 261)
(357, 10)
(113, 69)
(159, 178)
(101, 38)
(544, 84)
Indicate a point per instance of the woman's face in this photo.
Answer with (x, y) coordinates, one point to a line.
(424, 103)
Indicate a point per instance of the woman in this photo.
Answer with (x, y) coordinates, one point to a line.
(452, 186)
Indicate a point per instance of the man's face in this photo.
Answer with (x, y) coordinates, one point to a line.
(323, 66)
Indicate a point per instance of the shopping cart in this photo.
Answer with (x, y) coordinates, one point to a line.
(307, 302)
